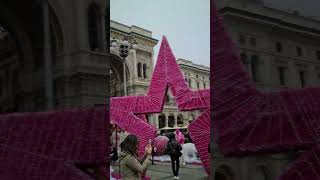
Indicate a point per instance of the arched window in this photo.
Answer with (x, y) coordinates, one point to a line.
(139, 69)
(171, 121)
(282, 75)
(144, 71)
(242, 39)
(93, 27)
(318, 54)
(2, 85)
(162, 121)
(244, 58)
(253, 41)
(299, 51)
(254, 68)
(180, 120)
(278, 47)
(302, 78)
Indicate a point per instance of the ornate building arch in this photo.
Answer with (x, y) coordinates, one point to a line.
(21, 19)
(116, 78)
(180, 120)
(162, 120)
(171, 120)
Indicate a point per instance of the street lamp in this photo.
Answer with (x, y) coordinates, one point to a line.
(123, 47)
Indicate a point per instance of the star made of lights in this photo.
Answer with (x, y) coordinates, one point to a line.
(247, 121)
(125, 111)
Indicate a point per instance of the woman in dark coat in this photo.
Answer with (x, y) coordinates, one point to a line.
(174, 150)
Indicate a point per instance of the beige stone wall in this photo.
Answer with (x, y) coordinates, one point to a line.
(78, 71)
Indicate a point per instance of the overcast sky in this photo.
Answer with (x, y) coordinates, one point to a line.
(186, 23)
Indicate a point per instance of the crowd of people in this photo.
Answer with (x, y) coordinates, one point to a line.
(124, 149)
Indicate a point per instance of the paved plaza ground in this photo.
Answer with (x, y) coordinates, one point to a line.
(162, 171)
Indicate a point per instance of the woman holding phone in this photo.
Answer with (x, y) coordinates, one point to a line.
(131, 168)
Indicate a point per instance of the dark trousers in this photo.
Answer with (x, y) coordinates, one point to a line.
(175, 164)
(153, 156)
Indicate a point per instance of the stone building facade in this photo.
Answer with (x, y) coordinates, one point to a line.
(139, 63)
(197, 77)
(281, 50)
(139, 67)
(71, 34)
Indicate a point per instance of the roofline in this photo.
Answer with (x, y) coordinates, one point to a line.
(130, 26)
(194, 65)
(267, 18)
(153, 39)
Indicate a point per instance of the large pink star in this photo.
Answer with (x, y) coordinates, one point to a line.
(247, 121)
(124, 110)
(53, 145)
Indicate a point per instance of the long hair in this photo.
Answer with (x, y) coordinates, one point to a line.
(129, 145)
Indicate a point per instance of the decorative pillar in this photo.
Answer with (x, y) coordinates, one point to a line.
(135, 69)
(167, 119)
(267, 77)
(175, 120)
(292, 73)
(250, 66)
(141, 71)
(47, 55)
(312, 76)
(156, 121)
(101, 32)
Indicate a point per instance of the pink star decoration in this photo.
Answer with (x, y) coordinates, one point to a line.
(247, 121)
(125, 110)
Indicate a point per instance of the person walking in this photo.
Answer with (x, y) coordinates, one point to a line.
(130, 167)
(174, 151)
(153, 153)
(180, 139)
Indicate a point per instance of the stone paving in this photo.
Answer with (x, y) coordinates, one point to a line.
(162, 171)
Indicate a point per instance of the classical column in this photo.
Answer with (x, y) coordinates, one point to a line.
(167, 119)
(312, 76)
(47, 55)
(292, 75)
(250, 66)
(269, 72)
(185, 119)
(175, 120)
(156, 120)
(101, 32)
(135, 70)
(141, 70)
